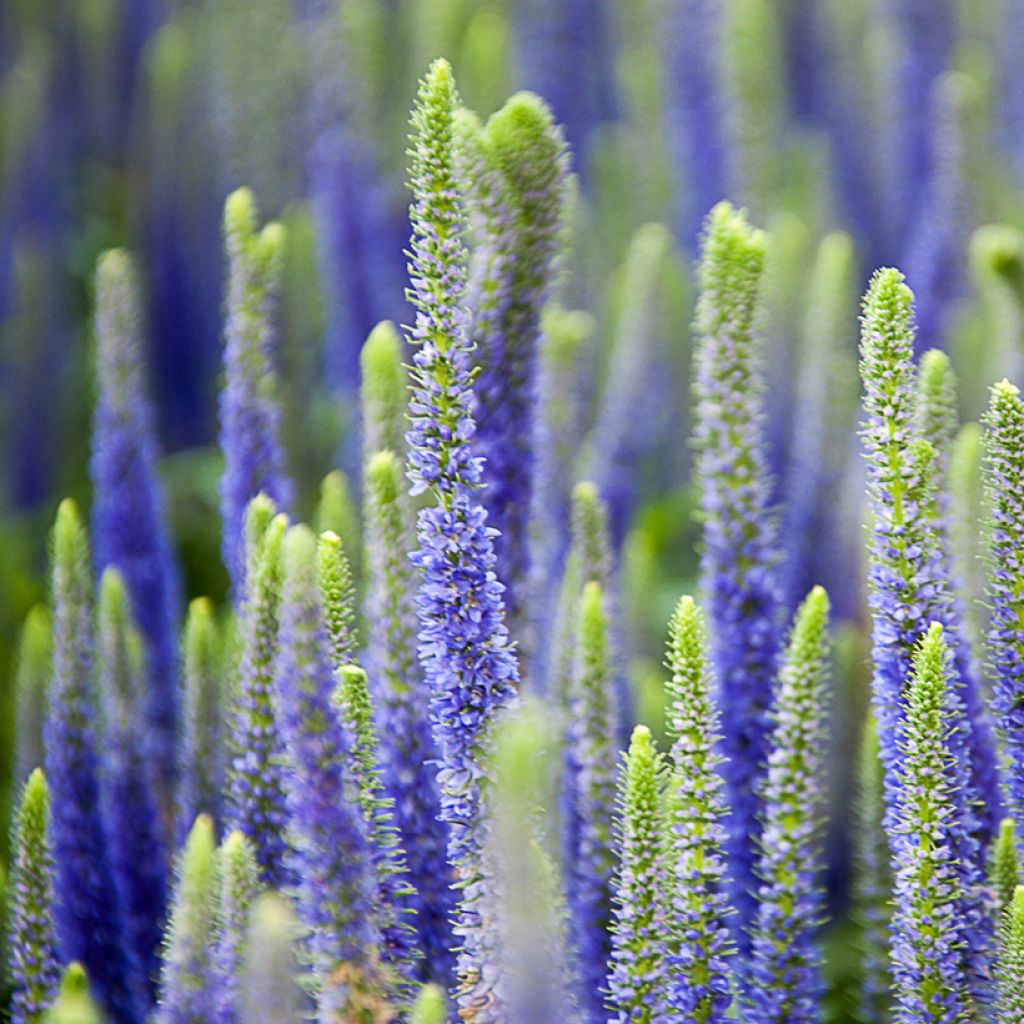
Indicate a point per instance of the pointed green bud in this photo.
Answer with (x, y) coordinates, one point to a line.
(383, 390)
(430, 1006)
(188, 978)
(35, 663)
(337, 511)
(1004, 871)
(201, 768)
(74, 1004)
(936, 400)
(337, 597)
(32, 939)
(353, 695)
(239, 888)
(1010, 963)
(258, 515)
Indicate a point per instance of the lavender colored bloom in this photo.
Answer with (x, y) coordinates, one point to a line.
(134, 836)
(740, 530)
(909, 587)
(188, 982)
(239, 889)
(938, 421)
(129, 526)
(588, 794)
(468, 661)
(249, 413)
(255, 778)
(394, 893)
(694, 108)
(330, 854)
(201, 767)
(35, 663)
(407, 749)
(638, 969)
(90, 921)
(700, 977)
(31, 934)
(928, 930)
(785, 976)
(1004, 483)
(517, 170)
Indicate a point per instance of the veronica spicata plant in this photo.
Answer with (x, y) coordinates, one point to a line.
(468, 661)
(739, 528)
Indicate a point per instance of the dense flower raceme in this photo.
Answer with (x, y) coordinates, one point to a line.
(249, 413)
(129, 528)
(910, 588)
(468, 660)
(740, 552)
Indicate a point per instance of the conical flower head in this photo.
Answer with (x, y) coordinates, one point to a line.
(639, 959)
(1010, 965)
(255, 776)
(239, 888)
(337, 596)
(35, 663)
(928, 930)
(90, 922)
(188, 983)
(268, 981)
(249, 411)
(739, 528)
(700, 982)
(31, 933)
(74, 1003)
(383, 390)
(1004, 870)
(130, 808)
(786, 970)
(129, 519)
(330, 855)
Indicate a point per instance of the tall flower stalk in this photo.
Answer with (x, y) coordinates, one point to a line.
(927, 931)
(909, 588)
(249, 412)
(90, 921)
(337, 597)
(31, 933)
(1004, 865)
(468, 660)
(330, 854)
(786, 984)
(255, 775)
(517, 178)
(740, 542)
(129, 520)
(201, 769)
(588, 787)
(239, 888)
(188, 983)
(1010, 965)
(700, 979)
(1004, 482)
(639, 968)
(407, 747)
(137, 851)
(35, 664)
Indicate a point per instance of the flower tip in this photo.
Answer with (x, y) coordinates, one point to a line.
(240, 213)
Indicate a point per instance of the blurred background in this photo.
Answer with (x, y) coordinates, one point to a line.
(858, 132)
